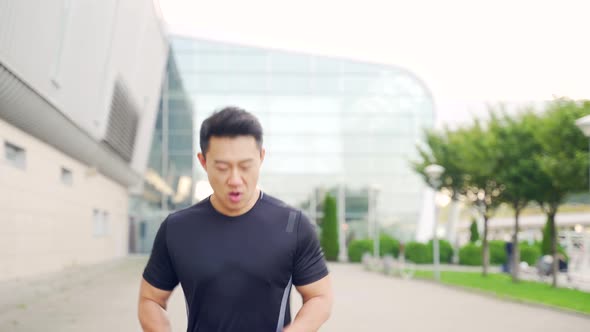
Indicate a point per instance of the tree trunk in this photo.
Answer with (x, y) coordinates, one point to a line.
(485, 247)
(454, 212)
(553, 232)
(515, 247)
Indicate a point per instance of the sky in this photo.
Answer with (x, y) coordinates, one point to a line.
(469, 53)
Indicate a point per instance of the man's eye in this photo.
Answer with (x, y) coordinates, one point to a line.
(222, 169)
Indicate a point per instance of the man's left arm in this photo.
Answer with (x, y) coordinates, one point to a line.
(311, 279)
(318, 298)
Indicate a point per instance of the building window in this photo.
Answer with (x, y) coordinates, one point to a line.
(97, 222)
(66, 176)
(142, 229)
(100, 221)
(15, 155)
(105, 223)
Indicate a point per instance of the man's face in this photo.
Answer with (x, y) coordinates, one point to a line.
(233, 166)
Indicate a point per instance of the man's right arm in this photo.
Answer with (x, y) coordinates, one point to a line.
(152, 308)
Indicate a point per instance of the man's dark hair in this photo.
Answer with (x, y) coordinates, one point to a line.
(230, 121)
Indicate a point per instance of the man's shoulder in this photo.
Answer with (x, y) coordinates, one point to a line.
(274, 207)
(190, 213)
(275, 203)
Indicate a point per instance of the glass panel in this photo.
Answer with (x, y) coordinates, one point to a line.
(289, 63)
(329, 84)
(290, 123)
(142, 229)
(353, 67)
(211, 62)
(325, 65)
(283, 83)
(249, 63)
(357, 83)
(227, 84)
(297, 144)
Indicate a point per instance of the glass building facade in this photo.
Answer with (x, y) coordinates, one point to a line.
(172, 151)
(327, 122)
(169, 179)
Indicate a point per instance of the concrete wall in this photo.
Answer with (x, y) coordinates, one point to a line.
(59, 63)
(46, 224)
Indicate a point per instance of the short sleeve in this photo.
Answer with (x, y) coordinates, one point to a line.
(309, 265)
(159, 271)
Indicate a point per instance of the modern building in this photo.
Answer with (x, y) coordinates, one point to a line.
(79, 89)
(328, 122)
(169, 179)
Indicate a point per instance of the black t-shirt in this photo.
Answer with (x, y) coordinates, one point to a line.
(236, 272)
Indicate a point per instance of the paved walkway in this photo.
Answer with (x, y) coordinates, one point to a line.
(103, 298)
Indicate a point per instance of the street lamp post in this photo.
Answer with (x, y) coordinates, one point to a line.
(584, 125)
(342, 252)
(434, 173)
(373, 219)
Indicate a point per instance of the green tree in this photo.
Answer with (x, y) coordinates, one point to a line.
(563, 161)
(329, 236)
(439, 150)
(469, 159)
(478, 156)
(474, 232)
(546, 240)
(516, 169)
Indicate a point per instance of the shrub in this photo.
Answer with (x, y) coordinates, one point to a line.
(357, 248)
(388, 246)
(470, 254)
(545, 244)
(529, 254)
(445, 250)
(418, 253)
(498, 252)
(329, 236)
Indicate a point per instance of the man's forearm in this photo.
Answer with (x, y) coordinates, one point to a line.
(312, 315)
(153, 317)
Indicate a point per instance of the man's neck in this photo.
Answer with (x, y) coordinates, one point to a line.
(221, 209)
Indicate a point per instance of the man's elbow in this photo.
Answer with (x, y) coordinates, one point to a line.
(330, 308)
(152, 314)
(327, 305)
(143, 311)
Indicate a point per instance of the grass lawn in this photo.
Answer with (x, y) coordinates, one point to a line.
(502, 286)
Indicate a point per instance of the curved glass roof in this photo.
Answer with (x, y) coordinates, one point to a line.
(327, 121)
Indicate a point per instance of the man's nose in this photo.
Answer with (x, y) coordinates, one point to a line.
(235, 178)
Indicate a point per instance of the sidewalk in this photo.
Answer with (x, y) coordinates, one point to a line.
(95, 298)
(104, 298)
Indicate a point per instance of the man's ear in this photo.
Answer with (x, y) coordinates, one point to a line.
(202, 160)
(262, 154)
